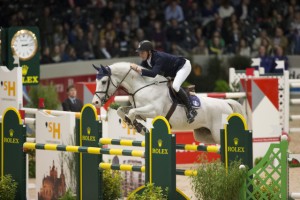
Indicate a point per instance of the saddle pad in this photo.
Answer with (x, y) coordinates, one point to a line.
(195, 101)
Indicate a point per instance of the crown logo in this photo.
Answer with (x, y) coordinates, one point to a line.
(11, 132)
(236, 141)
(24, 69)
(88, 130)
(159, 142)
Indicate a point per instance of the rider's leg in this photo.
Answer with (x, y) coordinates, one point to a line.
(181, 75)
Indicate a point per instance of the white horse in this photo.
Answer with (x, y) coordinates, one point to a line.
(149, 98)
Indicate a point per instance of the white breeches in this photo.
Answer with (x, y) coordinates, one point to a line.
(181, 75)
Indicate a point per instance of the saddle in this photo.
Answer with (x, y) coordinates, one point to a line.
(195, 101)
(190, 90)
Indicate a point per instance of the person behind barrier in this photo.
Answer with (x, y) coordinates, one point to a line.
(72, 103)
(167, 65)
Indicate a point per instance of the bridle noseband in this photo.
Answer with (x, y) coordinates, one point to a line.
(106, 95)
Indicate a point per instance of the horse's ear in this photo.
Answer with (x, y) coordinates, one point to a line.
(97, 68)
(106, 70)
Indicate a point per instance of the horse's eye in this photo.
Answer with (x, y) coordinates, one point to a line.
(103, 82)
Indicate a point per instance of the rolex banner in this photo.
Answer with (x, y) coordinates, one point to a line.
(10, 88)
(56, 169)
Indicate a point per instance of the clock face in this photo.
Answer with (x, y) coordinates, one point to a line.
(24, 44)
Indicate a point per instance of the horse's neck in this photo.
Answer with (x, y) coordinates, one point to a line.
(130, 80)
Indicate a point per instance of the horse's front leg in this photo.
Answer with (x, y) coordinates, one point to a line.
(145, 112)
(122, 111)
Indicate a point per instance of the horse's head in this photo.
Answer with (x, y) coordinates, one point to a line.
(104, 86)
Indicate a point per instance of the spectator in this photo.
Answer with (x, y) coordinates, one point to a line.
(56, 54)
(133, 20)
(101, 51)
(201, 48)
(108, 33)
(209, 12)
(268, 46)
(225, 10)
(216, 47)
(46, 26)
(266, 61)
(81, 46)
(242, 10)
(72, 103)
(69, 54)
(279, 39)
(279, 55)
(174, 11)
(175, 33)
(157, 36)
(243, 49)
(46, 58)
(193, 14)
(258, 41)
(197, 36)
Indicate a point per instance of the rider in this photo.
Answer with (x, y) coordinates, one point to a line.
(169, 66)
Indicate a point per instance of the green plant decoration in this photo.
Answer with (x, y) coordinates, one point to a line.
(151, 192)
(8, 188)
(48, 92)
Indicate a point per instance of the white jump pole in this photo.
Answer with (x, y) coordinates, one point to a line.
(295, 195)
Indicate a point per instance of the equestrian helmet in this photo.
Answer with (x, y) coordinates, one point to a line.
(145, 45)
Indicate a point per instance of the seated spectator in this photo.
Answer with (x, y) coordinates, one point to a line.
(174, 11)
(175, 33)
(69, 55)
(101, 51)
(279, 55)
(266, 61)
(268, 46)
(279, 39)
(56, 54)
(46, 58)
(209, 12)
(81, 46)
(243, 49)
(242, 10)
(157, 36)
(216, 46)
(197, 36)
(257, 42)
(201, 48)
(225, 10)
(193, 15)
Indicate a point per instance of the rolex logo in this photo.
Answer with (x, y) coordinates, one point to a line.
(24, 69)
(159, 142)
(11, 132)
(236, 141)
(88, 130)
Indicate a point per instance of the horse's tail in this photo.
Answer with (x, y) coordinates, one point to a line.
(236, 107)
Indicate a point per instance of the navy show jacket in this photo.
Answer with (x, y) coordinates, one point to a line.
(163, 64)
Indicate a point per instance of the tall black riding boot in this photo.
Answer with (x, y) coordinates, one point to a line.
(191, 112)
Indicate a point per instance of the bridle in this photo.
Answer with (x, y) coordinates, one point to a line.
(106, 95)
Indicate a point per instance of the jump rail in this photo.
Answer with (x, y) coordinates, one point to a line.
(82, 149)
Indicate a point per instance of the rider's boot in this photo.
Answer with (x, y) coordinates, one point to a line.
(191, 112)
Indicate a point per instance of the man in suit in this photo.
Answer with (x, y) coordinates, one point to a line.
(167, 65)
(72, 103)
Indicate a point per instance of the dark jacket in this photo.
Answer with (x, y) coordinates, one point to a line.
(74, 107)
(164, 64)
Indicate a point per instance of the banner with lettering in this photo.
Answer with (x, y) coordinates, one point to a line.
(10, 88)
(56, 169)
(115, 128)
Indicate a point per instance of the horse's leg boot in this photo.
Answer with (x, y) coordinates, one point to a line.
(191, 112)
